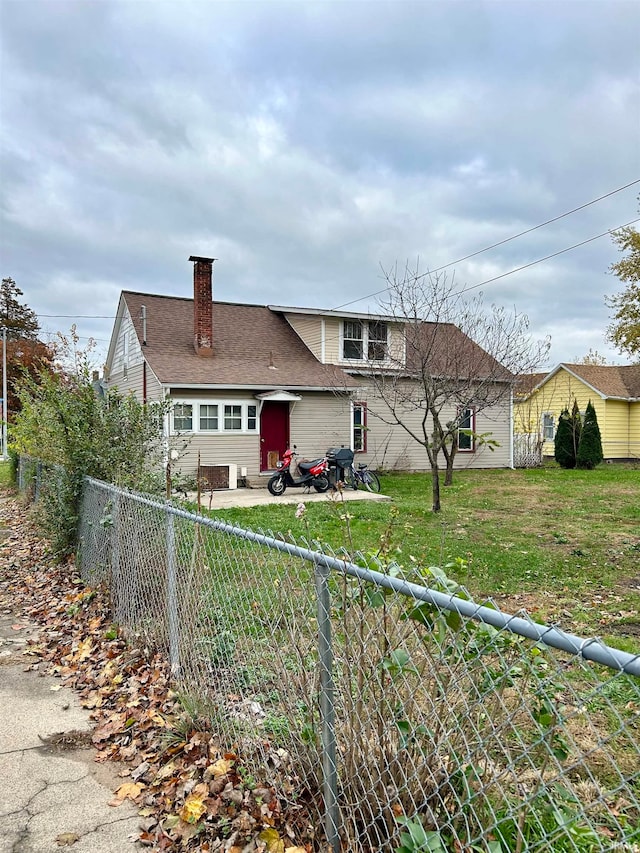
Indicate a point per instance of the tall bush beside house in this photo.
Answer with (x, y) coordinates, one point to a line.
(590, 447)
(576, 427)
(567, 438)
(64, 423)
(564, 452)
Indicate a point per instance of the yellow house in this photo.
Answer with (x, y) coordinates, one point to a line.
(614, 391)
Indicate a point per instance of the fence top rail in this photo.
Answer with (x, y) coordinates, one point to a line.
(591, 648)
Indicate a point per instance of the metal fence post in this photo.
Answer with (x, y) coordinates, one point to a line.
(38, 481)
(172, 596)
(117, 593)
(327, 707)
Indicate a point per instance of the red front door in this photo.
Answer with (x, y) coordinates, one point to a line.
(274, 433)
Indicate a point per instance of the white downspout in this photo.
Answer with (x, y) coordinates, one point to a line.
(511, 428)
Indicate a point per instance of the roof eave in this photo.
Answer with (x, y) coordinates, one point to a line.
(186, 386)
(320, 312)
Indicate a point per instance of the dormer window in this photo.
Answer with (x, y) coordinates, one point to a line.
(377, 344)
(360, 337)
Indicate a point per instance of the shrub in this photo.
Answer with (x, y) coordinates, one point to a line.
(564, 453)
(590, 447)
(567, 438)
(75, 433)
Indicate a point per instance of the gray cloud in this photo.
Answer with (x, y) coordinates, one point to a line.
(306, 144)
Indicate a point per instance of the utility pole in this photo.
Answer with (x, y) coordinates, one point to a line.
(5, 455)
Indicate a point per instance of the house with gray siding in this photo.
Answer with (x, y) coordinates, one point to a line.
(246, 381)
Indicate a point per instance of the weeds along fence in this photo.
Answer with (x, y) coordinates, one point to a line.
(398, 713)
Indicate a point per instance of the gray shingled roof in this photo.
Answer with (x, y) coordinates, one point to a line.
(252, 346)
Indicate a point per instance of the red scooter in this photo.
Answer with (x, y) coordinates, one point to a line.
(314, 474)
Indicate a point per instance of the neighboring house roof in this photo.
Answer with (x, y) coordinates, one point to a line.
(620, 382)
(527, 383)
(253, 347)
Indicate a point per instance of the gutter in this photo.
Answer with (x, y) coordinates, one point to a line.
(170, 387)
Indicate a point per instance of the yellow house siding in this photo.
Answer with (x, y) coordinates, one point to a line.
(614, 429)
(619, 425)
(634, 430)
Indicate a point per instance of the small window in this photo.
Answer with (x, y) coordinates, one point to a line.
(548, 427)
(208, 417)
(377, 345)
(233, 418)
(466, 428)
(183, 417)
(252, 418)
(353, 346)
(360, 427)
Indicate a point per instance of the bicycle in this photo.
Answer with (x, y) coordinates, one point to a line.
(361, 476)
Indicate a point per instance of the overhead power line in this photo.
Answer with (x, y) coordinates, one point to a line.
(535, 227)
(508, 240)
(81, 316)
(548, 257)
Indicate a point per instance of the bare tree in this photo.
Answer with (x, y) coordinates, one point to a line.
(455, 357)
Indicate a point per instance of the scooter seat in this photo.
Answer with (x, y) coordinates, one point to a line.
(307, 466)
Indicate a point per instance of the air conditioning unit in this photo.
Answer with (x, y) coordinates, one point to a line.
(218, 476)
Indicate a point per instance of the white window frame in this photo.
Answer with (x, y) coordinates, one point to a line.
(209, 417)
(544, 425)
(368, 342)
(249, 416)
(182, 404)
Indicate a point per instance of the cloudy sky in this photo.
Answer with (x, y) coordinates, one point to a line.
(308, 145)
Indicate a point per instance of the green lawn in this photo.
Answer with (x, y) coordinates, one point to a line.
(563, 544)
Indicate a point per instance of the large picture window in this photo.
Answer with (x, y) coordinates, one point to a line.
(362, 339)
(219, 416)
(466, 428)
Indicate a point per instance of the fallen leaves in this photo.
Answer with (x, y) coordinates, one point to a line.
(67, 839)
(191, 794)
(219, 768)
(127, 791)
(194, 807)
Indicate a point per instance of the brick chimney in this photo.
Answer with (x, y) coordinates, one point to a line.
(202, 306)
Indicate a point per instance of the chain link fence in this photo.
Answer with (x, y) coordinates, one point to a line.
(398, 713)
